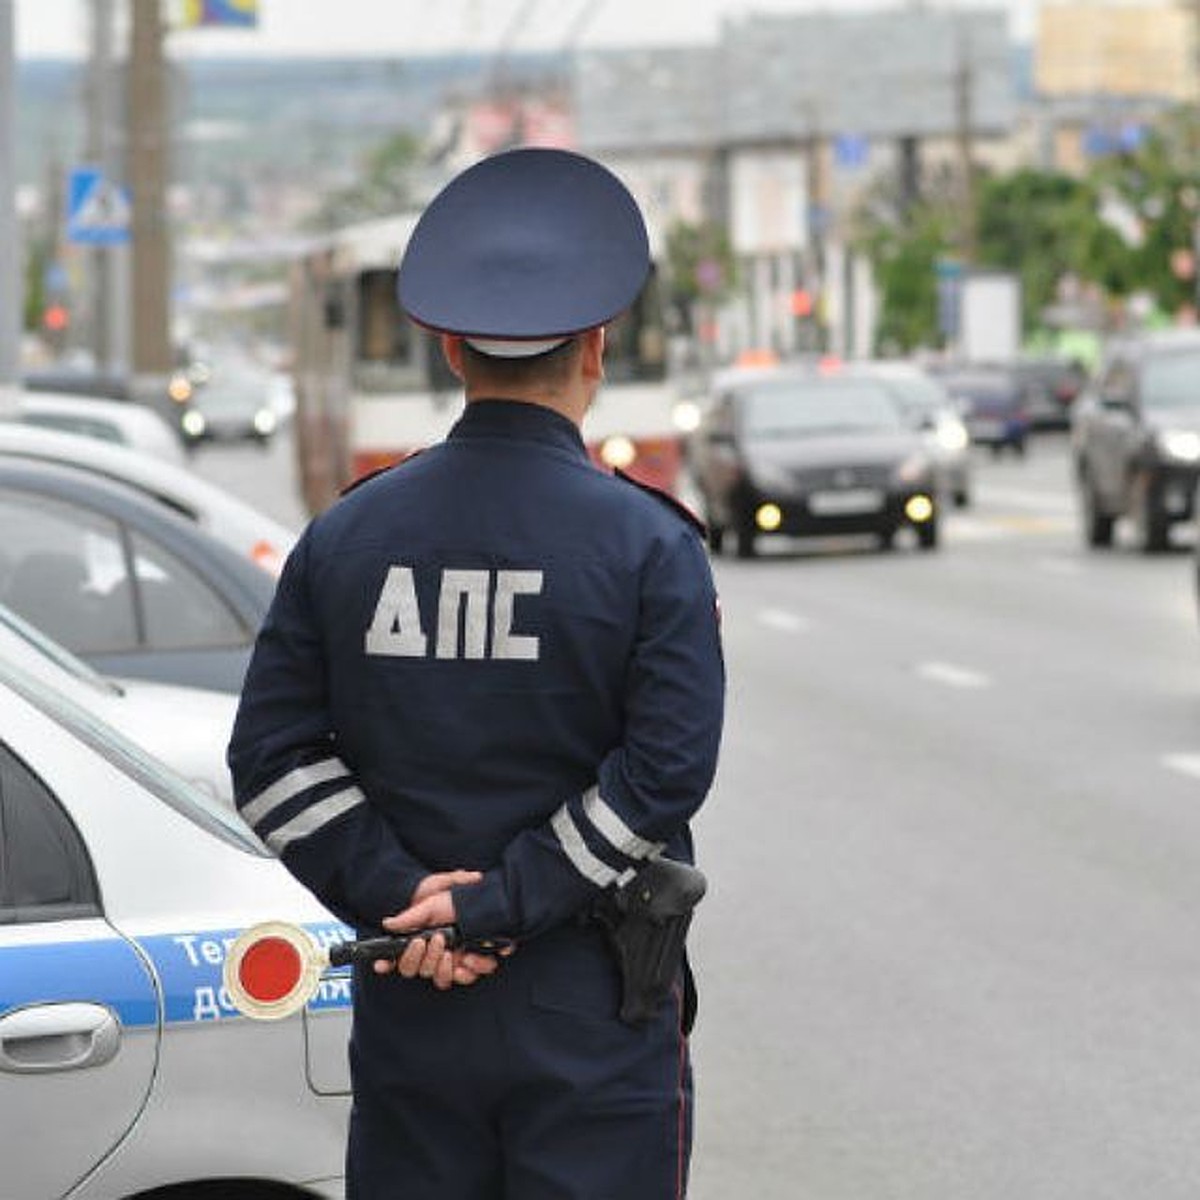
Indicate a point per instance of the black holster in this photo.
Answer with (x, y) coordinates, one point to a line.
(646, 923)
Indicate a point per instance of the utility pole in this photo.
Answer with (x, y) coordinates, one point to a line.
(11, 291)
(148, 123)
(109, 263)
(964, 79)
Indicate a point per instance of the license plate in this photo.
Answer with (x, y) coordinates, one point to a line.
(849, 500)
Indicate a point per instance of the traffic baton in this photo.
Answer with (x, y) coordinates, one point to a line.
(274, 969)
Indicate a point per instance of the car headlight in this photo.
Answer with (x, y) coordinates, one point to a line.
(912, 470)
(686, 416)
(193, 423)
(1183, 445)
(180, 389)
(264, 421)
(617, 451)
(951, 434)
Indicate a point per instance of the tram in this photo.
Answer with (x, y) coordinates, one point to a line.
(372, 387)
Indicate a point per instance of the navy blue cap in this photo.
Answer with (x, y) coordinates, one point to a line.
(527, 245)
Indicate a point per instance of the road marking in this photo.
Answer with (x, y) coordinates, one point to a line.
(952, 676)
(1060, 566)
(1028, 498)
(1185, 764)
(786, 622)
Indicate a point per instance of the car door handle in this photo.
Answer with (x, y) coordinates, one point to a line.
(58, 1037)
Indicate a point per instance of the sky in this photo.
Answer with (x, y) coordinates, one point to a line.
(59, 28)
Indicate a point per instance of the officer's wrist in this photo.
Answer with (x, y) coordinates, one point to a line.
(482, 909)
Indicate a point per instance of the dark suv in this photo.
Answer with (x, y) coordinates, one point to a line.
(1136, 438)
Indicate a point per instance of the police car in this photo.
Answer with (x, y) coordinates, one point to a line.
(124, 1069)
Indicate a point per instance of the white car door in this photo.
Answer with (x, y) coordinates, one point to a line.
(79, 1011)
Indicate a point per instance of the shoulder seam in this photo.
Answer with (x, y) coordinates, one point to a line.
(665, 498)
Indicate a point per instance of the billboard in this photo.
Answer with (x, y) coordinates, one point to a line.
(241, 14)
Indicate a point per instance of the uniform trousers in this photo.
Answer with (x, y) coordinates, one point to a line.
(523, 1086)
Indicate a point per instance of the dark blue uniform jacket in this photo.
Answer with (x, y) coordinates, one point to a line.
(495, 656)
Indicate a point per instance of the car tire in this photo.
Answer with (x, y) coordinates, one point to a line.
(962, 498)
(747, 546)
(887, 539)
(927, 534)
(715, 536)
(1153, 526)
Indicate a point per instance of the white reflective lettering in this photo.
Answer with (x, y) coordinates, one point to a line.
(396, 627)
(505, 643)
(212, 952)
(461, 589)
(207, 1007)
(329, 937)
(188, 942)
(334, 988)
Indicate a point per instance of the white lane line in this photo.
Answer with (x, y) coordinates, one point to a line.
(786, 622)
(953, 676)
(1060, 566)
(1185, 764)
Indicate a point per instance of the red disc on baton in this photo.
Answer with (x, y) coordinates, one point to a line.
(272, 970)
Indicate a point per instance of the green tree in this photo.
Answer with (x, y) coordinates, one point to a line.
(1046, 225)
(700, 267)
(1156, 186)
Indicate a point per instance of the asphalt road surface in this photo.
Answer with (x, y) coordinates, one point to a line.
(951, 948)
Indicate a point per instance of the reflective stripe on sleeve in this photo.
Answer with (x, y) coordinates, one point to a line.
(314, 817)
(574, 847)
(291, 785)
(615, 831)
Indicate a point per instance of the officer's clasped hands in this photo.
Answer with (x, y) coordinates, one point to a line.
(433, 905)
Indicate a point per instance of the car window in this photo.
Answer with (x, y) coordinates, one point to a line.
(55, 652)
(65, 569)
(918, 395)
(45, 872)
(202, 809)
(87, 426)
(1172, 380)
(814, 409)
(180, 611)
(68, 572)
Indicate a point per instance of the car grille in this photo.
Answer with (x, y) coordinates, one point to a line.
(874, 475)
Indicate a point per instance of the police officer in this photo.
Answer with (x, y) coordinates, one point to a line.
(490, 688)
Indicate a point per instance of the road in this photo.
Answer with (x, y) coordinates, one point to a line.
(950, 947)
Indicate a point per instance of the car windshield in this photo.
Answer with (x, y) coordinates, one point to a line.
(233, 394)
(918, 395)
(156, 777)
(1172, 381)
(818, 408)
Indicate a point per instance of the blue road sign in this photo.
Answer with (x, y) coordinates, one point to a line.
(98, 209)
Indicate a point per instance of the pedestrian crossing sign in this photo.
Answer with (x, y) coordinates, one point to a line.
(98, 209)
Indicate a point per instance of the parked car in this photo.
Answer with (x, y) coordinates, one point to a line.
(1136, 439)
(992, 402)
(123, 1072)
(188, 728)
(235, 405)
(134, 589)
(802, 452)
(1051, 386)
(172, 402)
(120, 422)
(251, 533)
(933, 412)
